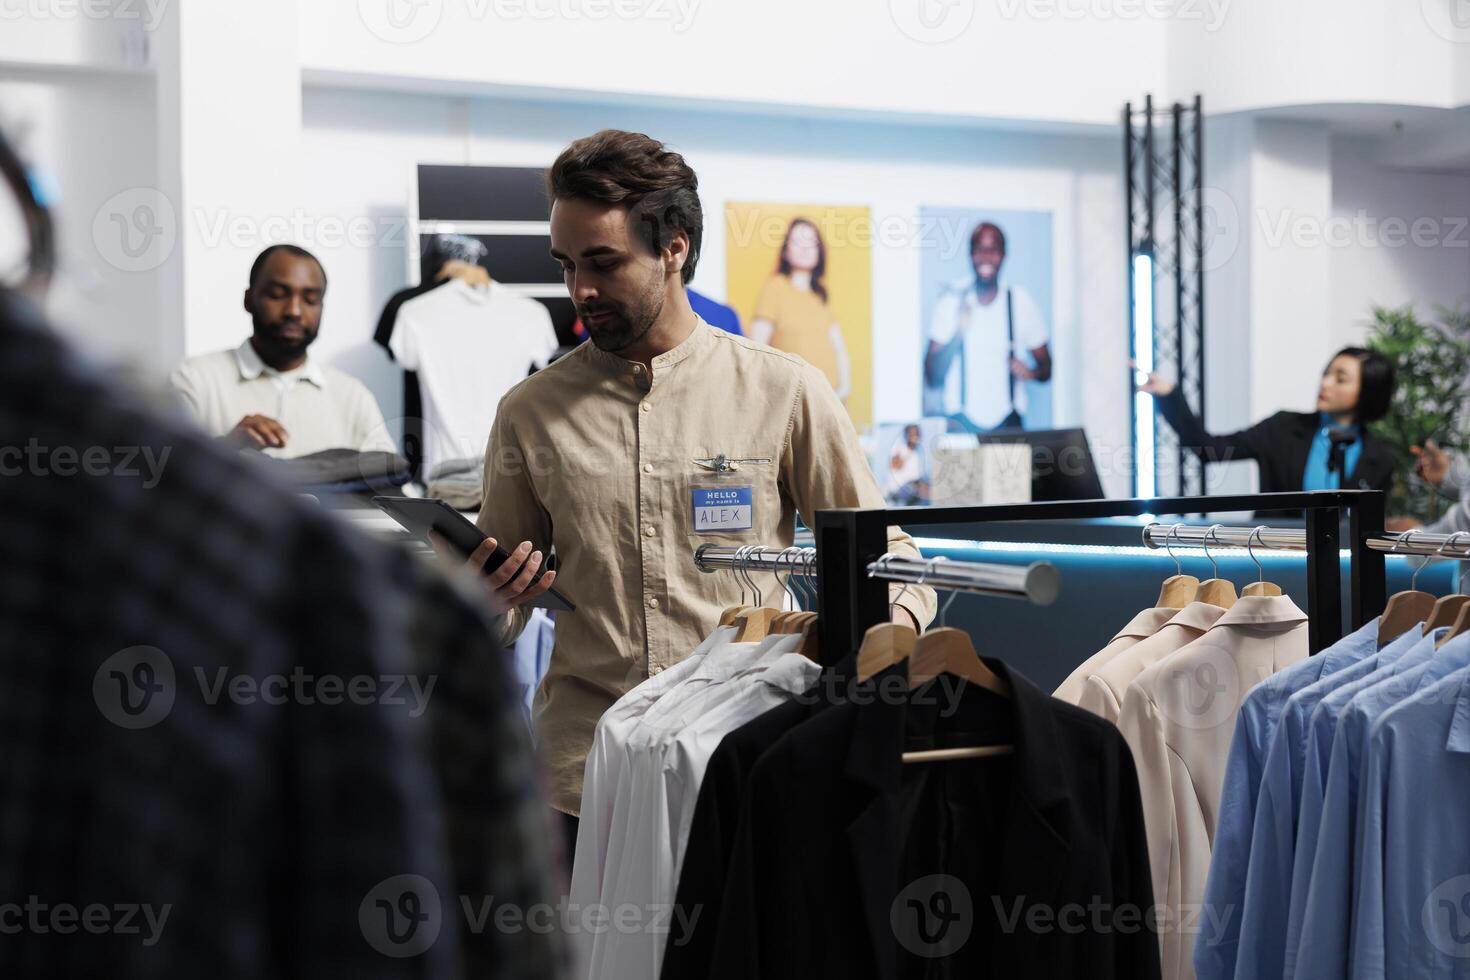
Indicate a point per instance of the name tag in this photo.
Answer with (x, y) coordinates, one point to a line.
(723, 509)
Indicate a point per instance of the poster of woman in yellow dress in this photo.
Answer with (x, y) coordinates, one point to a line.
(801, 277)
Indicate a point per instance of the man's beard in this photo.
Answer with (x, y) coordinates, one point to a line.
(986, 284)
(275, 348)
(625, 327)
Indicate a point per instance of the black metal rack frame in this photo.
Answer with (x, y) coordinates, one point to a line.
(850, 600)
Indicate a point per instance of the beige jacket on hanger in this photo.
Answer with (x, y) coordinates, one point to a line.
(1178, 717)
(1102, 693)
(1142, 626)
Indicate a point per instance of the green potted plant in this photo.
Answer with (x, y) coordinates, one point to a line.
(1432, 361)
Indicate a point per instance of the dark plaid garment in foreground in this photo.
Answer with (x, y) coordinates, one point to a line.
(212, 762)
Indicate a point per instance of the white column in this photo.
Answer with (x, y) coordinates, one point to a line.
(1267, 311)
(1291, 204)
(229, 97)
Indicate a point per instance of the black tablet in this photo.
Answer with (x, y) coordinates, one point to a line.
(420, 515)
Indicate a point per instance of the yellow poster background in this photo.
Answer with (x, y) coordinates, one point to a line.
(753, 236)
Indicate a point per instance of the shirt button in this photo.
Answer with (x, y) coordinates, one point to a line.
(647, 407)
(650, 530)
(652, 603)
(648, 467)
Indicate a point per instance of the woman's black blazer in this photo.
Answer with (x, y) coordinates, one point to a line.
(1279, 445)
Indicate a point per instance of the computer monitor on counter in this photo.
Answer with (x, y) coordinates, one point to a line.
(1062, 467)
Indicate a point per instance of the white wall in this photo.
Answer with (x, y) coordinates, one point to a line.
(65, 125)
(996, 60)
(360, 149)
(1398, 237)
(1268, 53)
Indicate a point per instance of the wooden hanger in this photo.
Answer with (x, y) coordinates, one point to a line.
(1178, 589)
(1215, 591)
(1260, 587)
(1446, 612)
(811, 639)
(755, 624)
(728, 617)
(949, 651)
(469, 273)
(1405, 608)
(1447, 608)
(1462, 625)
(883, 646)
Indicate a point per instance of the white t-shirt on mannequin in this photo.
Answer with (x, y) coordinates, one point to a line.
(470, 346)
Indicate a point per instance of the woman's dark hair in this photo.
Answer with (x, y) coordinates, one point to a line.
(40, 234)
(659, 189)
(1375, 390)
(783, 266)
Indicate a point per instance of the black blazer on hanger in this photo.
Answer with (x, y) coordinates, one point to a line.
(823, 855)
(1279, 445)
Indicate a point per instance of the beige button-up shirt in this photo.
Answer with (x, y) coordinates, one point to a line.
(320, 406)
(1178, 718)
(601, 458)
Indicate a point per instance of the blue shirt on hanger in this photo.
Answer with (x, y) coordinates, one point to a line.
(1326, 925)
(1255, 726)
(1262, 948)
(1318, 757)
(1412, 885)
(1316, 476)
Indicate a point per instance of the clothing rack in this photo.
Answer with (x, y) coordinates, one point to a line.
(756, 558)
(1418, 544)
(850, 542)
(1454, 546)
(1038, 582)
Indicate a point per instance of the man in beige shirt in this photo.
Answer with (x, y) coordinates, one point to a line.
(267, 392)
(660, 435)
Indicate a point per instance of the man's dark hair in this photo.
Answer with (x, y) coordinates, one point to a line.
(295, 250)
(981, 229)
(659, 189)
(1375, 387)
